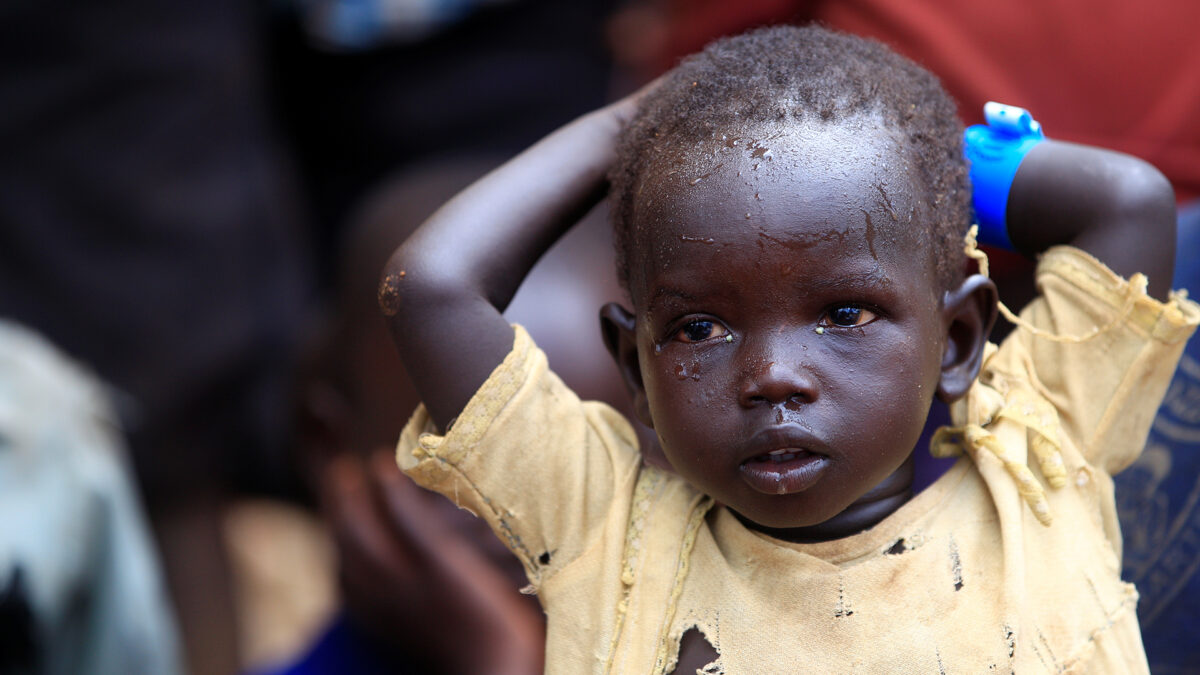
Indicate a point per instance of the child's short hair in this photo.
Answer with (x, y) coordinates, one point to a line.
(786, 73)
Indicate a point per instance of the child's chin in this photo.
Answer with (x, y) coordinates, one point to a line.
(782, 522)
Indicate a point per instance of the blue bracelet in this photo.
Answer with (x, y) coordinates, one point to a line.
(995, 152)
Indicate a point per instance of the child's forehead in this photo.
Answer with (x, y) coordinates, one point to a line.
(816, 140)
(744, 195)
(771, 175)
(808, 156)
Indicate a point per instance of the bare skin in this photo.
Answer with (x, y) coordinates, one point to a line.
(445, 288)
(784, 306)
(1116, 207)
(786, 312)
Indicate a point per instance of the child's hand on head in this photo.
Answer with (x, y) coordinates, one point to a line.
(444, 290)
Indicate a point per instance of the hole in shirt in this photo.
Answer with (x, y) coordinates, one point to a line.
(696, 654)
(544, 558)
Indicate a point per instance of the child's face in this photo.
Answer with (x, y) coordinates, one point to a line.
(789, 326)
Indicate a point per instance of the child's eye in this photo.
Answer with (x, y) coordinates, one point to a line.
(848, 316)
(700, 330)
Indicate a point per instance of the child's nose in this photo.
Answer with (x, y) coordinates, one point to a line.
(778, 381)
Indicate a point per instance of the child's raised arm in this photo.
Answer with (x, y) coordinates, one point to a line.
(1114, 206)
(444, 289)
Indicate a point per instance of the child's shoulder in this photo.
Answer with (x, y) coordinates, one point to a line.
(1075, 385)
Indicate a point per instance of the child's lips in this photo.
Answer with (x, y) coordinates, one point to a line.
(792, 470)
(786, 459)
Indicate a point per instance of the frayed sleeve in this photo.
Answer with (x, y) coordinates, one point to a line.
(527, 455)
(1098, 350)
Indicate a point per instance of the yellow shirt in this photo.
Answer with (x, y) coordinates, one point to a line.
(961, 579)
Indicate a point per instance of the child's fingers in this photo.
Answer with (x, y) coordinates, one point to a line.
(426, 523)
(471, 594)
(397, 497)
(448, 543)
(365, 546)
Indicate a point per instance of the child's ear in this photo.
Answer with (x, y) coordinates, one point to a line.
(968, 313)
(619, 330)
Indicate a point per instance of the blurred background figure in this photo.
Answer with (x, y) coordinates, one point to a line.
(367, 89)
(80, 589)
(391, 108)
(417, 574)
(1108, 73)
(148, 227)
(172, 191)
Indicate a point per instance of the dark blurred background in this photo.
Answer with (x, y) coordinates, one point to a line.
(195, 199)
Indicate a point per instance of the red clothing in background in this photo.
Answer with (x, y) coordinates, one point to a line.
(1110, 73)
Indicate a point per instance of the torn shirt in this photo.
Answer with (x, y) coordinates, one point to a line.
(965, 577)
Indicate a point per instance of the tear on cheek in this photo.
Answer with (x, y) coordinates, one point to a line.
(687, 371)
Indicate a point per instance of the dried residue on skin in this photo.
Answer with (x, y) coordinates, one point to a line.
(807, 240)
(389, 293)
(696, 181)
(870, 234)
(683, 372)
(887, 201)
(702, 240)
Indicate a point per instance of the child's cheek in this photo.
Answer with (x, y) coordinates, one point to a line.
(688, 387)
(687, 369)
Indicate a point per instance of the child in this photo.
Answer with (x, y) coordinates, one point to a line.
(789, 208)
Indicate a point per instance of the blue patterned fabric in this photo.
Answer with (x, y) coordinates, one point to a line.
(1158, 500)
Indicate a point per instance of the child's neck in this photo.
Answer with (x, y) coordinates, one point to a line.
(866, 512)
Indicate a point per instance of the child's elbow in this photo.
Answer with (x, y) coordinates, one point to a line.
(408, 283)
(1143, 197)
(1140, 208)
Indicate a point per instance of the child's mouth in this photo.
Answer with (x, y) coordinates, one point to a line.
(783, 471)
(778, 456)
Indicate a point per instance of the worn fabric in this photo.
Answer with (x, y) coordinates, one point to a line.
(965, 577)
(80, 589)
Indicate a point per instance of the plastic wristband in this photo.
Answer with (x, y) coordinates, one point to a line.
(995, 152)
